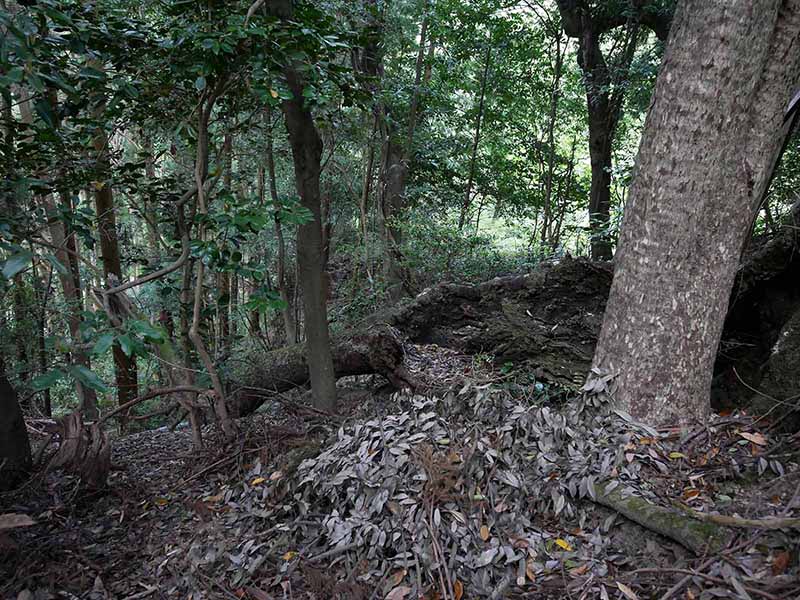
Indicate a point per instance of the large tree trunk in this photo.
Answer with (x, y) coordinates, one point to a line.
(709, 144)
(15, 448)
(124, 365)
(307, 154)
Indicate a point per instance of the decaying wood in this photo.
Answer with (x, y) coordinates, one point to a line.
(694, 535)
(376, 350)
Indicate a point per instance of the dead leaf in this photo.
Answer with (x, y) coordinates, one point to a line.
(458, 590)
(14, 520)
(276, 475)
(780, 563)
(563, 544)
(485, 533)
(289, 555)
(160, 501)
(529, 570)
(398, 593)
(690, 494)
(397, 577)
(258, 481)
(258, 594)
(629, 593)
(578, 571)
(675, 455)
(756, 438)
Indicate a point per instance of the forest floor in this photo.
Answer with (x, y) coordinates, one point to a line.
(490, 488)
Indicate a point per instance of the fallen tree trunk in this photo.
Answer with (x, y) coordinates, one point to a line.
(376, 350)
(546, 322)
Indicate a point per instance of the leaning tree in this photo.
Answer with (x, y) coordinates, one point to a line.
(711, 140)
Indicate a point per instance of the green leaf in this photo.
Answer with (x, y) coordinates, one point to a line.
(16, 263)
(57, 265)
(45, 112)
(150, 333)
(103, 344)
(126, 343)
(47, 380)
(88, 378)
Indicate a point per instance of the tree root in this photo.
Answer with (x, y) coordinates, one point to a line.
(698, 536)
(739, 522)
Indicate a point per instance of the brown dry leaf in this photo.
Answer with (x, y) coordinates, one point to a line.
(397, 577)
(690, 493)
(485, 535)
(289, 555)
(276, 475)
(756, 438)
(629, 593)
(780, 563)
(14, 520)
(458, 590)
(258, 594)
(578, 571)
(398, 593)
(257, 481)
(160, 501)
(529, 570)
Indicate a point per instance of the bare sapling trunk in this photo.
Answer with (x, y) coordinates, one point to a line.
(710, 141)
(287, 310)
(476, 138)
(124, 365)
(200, 173)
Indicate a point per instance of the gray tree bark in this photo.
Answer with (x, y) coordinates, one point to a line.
(710, 140)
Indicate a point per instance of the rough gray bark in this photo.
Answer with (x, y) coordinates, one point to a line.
(709, 144)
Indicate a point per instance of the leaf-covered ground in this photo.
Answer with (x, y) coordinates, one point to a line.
(487, 491)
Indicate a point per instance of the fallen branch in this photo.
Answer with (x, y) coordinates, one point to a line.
(739, 522)
(693, 535)
(149, 395)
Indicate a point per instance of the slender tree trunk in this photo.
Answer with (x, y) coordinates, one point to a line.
(396, 157)
(707, 152)
(307, 154)
(604, 94)
(477, 138)
(124, 366)
(366, 190)
(552, 118)
(42, 293)
(200, 174)
(287, 311)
